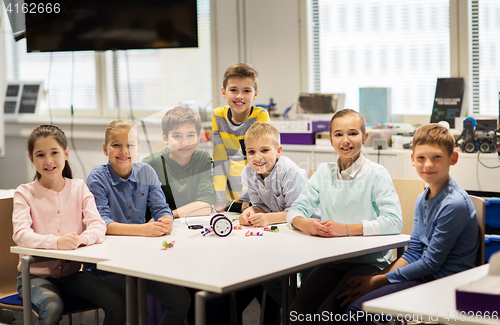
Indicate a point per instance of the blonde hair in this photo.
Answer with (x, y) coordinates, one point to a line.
(350, 112)
(240, 70)
(179, 115)
(434, 134)
(118, 125)
(263, 129)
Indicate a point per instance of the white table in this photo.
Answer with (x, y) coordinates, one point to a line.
(224, 265)
(218, 264)
(112, 247)
(433, 301)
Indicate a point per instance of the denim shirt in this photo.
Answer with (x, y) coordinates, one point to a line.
(279, 189)
(444, 239)
(125, 200)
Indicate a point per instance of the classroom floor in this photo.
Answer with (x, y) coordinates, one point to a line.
(250, 316)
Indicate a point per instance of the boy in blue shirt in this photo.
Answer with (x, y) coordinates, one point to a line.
(184, 171)
(272, 182)
(445, 237)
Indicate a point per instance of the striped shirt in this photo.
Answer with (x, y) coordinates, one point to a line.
(229, 151)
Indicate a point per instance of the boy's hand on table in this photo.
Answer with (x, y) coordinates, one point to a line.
(336, 229)
(68, 241)
(155, 228)
(243, 218)
(258, 219)
(360, 286)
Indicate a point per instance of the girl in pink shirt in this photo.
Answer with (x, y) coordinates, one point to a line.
(48, 213)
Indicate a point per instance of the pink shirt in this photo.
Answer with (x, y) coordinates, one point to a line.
(41, 216)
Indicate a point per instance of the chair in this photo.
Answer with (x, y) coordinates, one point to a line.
(9, 298)
(480, 207)
(408, 190)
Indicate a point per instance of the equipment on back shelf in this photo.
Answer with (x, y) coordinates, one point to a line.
(476, 137)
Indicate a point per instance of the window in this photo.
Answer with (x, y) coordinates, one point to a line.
(69, 77)
(144, 80)
(153, 80)
(485, 61)
(402, 45)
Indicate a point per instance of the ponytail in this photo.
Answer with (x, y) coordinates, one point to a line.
(67, 172)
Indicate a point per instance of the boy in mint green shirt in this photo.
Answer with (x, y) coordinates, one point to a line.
(356, 198)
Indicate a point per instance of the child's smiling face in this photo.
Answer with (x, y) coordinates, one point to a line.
(49, 158)
(347, 138)
(122, 150)
(262, 155)
(240, 93)
(432, 163)
(182, 142)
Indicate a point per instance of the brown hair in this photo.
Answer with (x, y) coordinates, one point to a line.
(240, 70)
(263, 129)
(179, 115)
(46, 131)
(434, 134)
(346, 112)
(116, 126)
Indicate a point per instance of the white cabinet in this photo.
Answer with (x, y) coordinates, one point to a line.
(388, 160)
(468, 172)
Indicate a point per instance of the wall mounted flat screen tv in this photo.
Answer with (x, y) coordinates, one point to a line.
(100, 25)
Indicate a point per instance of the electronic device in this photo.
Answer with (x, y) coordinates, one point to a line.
(476, 137)
(220, 225)
(111, 25)
(300, 131)
(311, 103)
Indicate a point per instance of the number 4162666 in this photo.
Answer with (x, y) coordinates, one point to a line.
(33, 8)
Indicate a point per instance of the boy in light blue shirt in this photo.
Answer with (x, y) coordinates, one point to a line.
(273, 182)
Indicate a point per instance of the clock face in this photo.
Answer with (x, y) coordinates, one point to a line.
(222, 226)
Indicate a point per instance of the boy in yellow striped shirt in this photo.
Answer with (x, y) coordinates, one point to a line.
(229, 124)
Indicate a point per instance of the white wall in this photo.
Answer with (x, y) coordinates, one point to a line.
(16, 169)
(264, 33)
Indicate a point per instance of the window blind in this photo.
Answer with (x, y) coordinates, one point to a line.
(69, 77)
(402, 45)
(485, 31)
